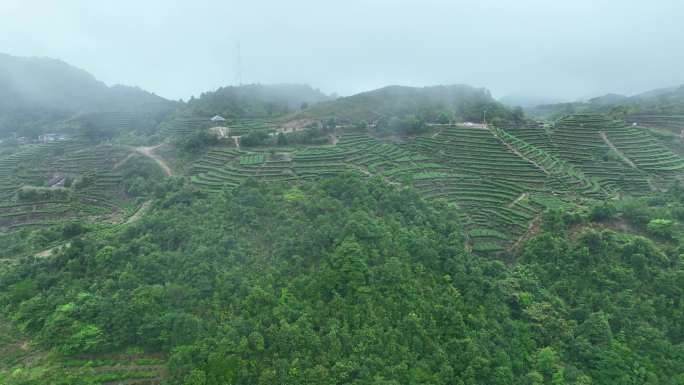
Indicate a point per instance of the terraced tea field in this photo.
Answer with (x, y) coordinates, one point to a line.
(240, 127)
(236, 127)
(675, 123)
(44, 368)
(117, 369)
(618, 156)
(500, 179)
(44, 184)
(183, 126)
(497, 208)
(497, 179)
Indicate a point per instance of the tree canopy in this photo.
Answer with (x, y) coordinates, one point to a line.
(352, 281)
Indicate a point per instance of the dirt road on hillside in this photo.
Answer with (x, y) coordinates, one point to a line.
(617, 151)
(149, 152)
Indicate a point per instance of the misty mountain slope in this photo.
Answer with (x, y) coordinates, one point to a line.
(33, 83)
(673, 95)
(254, 100)
(46, 83)
(245, 107)
(459, 101)
(35, 93)
(662, 108)
(655, 108)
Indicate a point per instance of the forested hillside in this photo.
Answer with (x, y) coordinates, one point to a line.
(467, 213)
(354, 281)
(391, 237)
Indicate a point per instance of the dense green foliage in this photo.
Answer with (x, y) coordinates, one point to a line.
(253, 100)
(354, 281)
(360, 240)
(197, 141)
(310, 136)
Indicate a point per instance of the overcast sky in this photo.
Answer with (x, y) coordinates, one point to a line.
(177, 48)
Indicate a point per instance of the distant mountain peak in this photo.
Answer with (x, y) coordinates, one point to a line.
(52, 84)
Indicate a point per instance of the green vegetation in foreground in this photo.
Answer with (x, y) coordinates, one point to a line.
(355, 281)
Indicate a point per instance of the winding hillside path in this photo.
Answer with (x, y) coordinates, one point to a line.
(139, 213)
(618, 152)
(124, 160)
(518, 199)
(149, 152)
(514, 150)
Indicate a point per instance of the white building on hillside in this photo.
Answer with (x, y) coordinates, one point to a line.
(218, 118)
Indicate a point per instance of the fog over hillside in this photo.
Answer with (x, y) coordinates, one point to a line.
(44, 83)
(548, 52)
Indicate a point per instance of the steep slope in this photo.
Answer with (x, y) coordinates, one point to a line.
(37, 92)
(661, 109)
(501, 179)
(43, 83)
(344, 281)
(619, 156)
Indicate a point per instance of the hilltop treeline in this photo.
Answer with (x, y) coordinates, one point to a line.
(254, 101)
(356, 282)
(39, 95)
(438, 104)
(665, 101)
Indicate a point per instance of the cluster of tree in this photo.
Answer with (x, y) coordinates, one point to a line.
(254, 101)
(197, 141)
(492, 112)
(659, 215)
(439, 104)
(408, 125)
(37, 193)
(107, 125)
(309, 136)
(28, 123)
(354, 281)
(256, 138)
(26, 241)
(140, 177)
